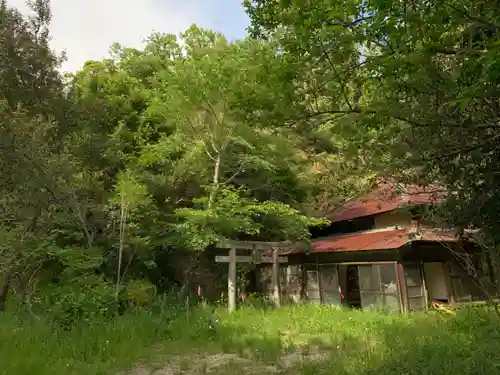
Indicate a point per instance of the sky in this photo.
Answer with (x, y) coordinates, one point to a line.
(86, 29)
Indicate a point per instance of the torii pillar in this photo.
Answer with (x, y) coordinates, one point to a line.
(256, 257)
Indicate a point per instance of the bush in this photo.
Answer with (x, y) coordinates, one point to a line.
(85, 298)
(140, 293)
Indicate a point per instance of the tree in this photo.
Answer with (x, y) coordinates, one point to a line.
(42, 196)
(418, 79)
(30, 100)
(153, 152)
(197, 123)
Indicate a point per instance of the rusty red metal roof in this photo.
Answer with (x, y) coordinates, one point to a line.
(379, 240)
(388, 196)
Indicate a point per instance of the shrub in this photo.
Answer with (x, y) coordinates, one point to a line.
(85, 298)
(139, 293)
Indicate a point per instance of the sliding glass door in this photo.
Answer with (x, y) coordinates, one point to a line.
(329, 283)
(415, 290)
(322, 284)
(379, 286)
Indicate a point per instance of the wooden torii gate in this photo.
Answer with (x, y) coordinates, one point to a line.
(256, 257)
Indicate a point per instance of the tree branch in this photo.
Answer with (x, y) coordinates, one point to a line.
(204, 142)
(235, 174)
(341, 83)
(466, 150)
(348, 25)
(482, 21)
(78, 213)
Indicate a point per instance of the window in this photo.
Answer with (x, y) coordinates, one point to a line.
(312, 284)
(379, 287)
(291, 282)
(329, 284)
(348, 226)
(414, 287)
(322, 285)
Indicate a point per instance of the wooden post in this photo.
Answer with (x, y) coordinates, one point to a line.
(276, 278)
(402, 288)
(231, 280)
(424, 285)
(255, 258)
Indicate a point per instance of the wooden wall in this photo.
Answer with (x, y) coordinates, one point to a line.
(399, 218)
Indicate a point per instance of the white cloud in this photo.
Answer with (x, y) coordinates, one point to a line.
(87, 28)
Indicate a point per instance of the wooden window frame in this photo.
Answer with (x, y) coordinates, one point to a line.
(307, 268)
(380, 292)
(423, 289)
(321, 288)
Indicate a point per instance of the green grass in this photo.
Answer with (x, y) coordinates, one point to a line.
(291, 340)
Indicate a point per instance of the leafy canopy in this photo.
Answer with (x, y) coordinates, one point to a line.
(416, 81)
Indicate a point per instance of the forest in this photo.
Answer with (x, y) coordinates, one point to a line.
(118, 180)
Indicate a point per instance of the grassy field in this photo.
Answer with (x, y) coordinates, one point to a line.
(291, 340)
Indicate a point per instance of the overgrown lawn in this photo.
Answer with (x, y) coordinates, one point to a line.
(291, 340)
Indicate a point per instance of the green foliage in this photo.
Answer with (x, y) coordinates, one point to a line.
(295, 340)
(415, 85)
(233, 215)
(205, 154)
(139, 293)
(84, 298)
(149, 155)
(77, 259)
(129, 190)
(169, 149)
(27, 65)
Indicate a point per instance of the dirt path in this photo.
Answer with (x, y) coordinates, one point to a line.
(228, 364)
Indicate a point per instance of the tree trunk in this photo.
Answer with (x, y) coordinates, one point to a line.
(4, 292)
(194, 261)
(215, 181)
(123, 221)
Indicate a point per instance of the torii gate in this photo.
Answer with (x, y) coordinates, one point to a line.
(257, 248)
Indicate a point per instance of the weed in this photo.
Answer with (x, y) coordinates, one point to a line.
(294, 340)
